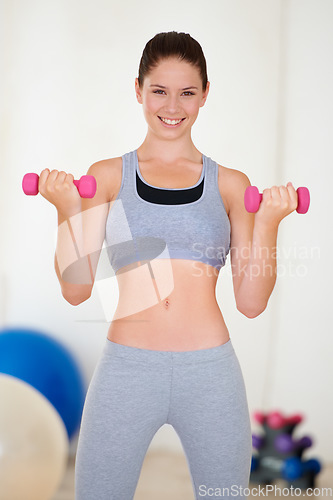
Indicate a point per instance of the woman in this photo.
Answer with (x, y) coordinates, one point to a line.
(170, 215)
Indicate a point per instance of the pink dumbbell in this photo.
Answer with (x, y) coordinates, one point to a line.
(275, 420)
(252, 199)
(259, 417)
(86, 185)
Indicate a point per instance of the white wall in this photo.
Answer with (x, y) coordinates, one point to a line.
(69, 101)
(302, 373)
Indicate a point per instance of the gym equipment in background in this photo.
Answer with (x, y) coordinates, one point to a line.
(33, 443)
(48, 366)
(279, 455)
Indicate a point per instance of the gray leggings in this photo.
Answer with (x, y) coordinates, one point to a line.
(133, 392)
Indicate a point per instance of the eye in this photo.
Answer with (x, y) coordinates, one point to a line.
(187, 92)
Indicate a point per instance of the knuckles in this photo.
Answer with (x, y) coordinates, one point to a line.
(56, 181)
(279, 197)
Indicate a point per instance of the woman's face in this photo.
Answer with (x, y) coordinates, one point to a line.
(171, 97)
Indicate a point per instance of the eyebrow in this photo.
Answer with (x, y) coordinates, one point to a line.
(162, 87)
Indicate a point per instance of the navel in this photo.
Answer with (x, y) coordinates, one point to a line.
(166, 303)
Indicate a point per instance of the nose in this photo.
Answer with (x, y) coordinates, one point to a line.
(172, 104)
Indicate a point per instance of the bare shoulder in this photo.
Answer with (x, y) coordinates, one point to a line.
(108, 174)
(232, 184)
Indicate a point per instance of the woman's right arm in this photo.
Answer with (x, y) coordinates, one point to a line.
(81, 228)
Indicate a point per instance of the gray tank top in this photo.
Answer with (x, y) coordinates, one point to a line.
(146, 222)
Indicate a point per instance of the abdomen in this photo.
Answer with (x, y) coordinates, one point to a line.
(168, 304)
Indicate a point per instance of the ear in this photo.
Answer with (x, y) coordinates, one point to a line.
(138, 91)
(205, 95)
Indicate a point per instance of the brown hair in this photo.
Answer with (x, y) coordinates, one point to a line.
(172, 44)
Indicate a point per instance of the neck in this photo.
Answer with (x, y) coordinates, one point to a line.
(168, 151)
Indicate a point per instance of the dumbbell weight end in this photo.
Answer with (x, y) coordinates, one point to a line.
(86, 186)
(30, 184)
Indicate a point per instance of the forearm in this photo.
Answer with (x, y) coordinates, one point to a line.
(72, 263)
(259, 275)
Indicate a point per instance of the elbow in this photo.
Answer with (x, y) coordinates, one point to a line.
(75, 299)
(76, 294)
(251, 311)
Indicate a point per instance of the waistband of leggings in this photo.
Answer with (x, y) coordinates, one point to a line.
(181, 357)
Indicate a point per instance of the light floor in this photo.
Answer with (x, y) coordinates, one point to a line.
(165, 476)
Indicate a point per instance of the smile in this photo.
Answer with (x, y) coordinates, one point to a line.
(171, 122)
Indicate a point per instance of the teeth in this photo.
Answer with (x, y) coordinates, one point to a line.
(171, 122)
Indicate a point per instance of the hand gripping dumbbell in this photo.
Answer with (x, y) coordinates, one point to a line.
(252, 199)
(86, 185)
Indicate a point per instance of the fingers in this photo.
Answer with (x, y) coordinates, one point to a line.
(281, 196)
(54, 180)
(46, 181)
(288, 197)
(293, 195)
(58, 188)
(266, 195)
(277, 203)
(42, 179)
(59, 181)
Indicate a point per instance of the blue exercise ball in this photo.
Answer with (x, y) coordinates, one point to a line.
(45, 364)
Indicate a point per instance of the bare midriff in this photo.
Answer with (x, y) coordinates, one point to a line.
(168, 305)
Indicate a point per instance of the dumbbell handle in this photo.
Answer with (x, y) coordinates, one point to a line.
(252, 199)
(86, 185)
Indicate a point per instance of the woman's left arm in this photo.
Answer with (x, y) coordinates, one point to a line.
(253, 242)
